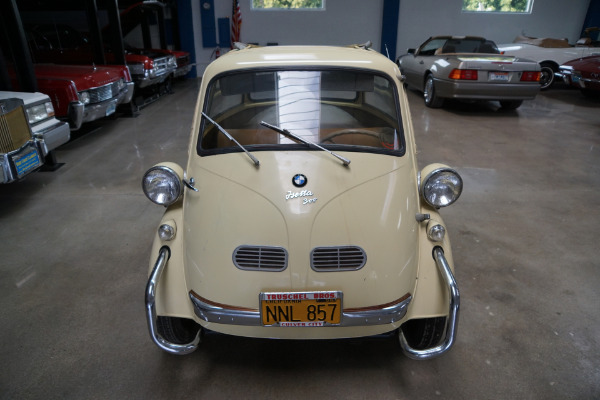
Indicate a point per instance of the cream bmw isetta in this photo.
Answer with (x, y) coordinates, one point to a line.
(301, 212)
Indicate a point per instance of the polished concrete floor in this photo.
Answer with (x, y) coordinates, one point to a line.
(75, 248)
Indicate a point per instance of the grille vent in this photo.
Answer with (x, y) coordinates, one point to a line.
(341, 258)
(260, 258)
(103, 93)
(14, 129)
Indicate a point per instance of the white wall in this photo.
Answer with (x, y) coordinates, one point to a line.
(420, 19)
(356, 21)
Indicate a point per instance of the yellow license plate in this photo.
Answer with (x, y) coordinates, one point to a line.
(301, 308)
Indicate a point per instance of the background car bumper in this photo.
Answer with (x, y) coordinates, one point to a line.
(50, 137)
(486, 91)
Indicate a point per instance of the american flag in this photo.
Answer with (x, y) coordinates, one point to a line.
(236, 23)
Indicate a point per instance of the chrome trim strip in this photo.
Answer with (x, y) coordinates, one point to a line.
(452, 320)
(180, 349)
(219, 314)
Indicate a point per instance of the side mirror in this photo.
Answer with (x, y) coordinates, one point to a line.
(411, 51)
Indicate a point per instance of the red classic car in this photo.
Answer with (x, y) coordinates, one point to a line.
(62, 44)
(84, 93)
(583, 73)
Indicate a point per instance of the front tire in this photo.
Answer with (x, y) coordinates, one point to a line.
(429, 94)
(177, 330)
(424, 333)
(547, 76)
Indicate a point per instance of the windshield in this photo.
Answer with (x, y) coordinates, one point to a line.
(337, 109)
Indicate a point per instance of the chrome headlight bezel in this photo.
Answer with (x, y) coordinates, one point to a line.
(39, 112)
(441, 187)
(162, 185)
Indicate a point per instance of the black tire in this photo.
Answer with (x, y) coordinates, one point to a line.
(547, 77)
(511, 104)
(424, 333)
(177, 330)
(429, 95)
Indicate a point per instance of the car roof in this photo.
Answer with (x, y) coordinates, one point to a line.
(355, 56)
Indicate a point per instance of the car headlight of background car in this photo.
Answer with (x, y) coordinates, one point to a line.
(40, 112)
(440, 185)
(84, 97)
(163, 183)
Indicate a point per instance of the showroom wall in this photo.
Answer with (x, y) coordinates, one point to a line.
(356, 21)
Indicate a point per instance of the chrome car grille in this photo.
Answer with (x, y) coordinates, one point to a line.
(339, 258)
(161, 65)
(14, 129)
(260, 258)
(103, 93)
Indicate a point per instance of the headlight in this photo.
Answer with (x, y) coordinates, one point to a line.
(162, 184)
(441, 186)
(84, 97)
(136, 69)
(49, 108)
(38, 113)
(172, 61)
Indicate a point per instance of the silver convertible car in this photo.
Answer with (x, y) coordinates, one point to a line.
(468, 67)
(301, 212)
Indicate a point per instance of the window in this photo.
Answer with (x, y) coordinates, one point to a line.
(341, 109)
(498, 6)
(288, 4)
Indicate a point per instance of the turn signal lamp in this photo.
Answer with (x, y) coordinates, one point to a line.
(167, 231)
(435, 231)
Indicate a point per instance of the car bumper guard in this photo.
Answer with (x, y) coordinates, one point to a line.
(181, 349)
(451, 321)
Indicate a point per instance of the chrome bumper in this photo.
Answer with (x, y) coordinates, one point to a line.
(79, 113)
(221, 314)
(181, 349)
(146, 79)
(452, 320)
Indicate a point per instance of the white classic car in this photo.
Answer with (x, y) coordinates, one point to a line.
(29, 131)
(550, 53)
(301, 212)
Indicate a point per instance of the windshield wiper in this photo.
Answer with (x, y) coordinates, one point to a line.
(224, 132)
(307, 142)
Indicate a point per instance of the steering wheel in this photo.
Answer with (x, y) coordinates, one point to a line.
(350, 131)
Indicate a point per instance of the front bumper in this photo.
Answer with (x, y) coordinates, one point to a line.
(17, 164)
(148, 79)
(486, 91)
(80, 113)
(52, 135)
(387, 314)
(182, 71)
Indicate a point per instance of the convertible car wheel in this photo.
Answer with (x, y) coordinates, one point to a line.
(424, 333)
(511, 104)
(431, 100)
(547, 76)
(177, 330)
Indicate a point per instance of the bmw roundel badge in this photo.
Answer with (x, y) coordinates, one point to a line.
(299, 180)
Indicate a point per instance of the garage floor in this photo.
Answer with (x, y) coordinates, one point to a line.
(75, 248)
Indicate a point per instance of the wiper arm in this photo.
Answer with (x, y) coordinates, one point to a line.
(307, 142)
(224, 132)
